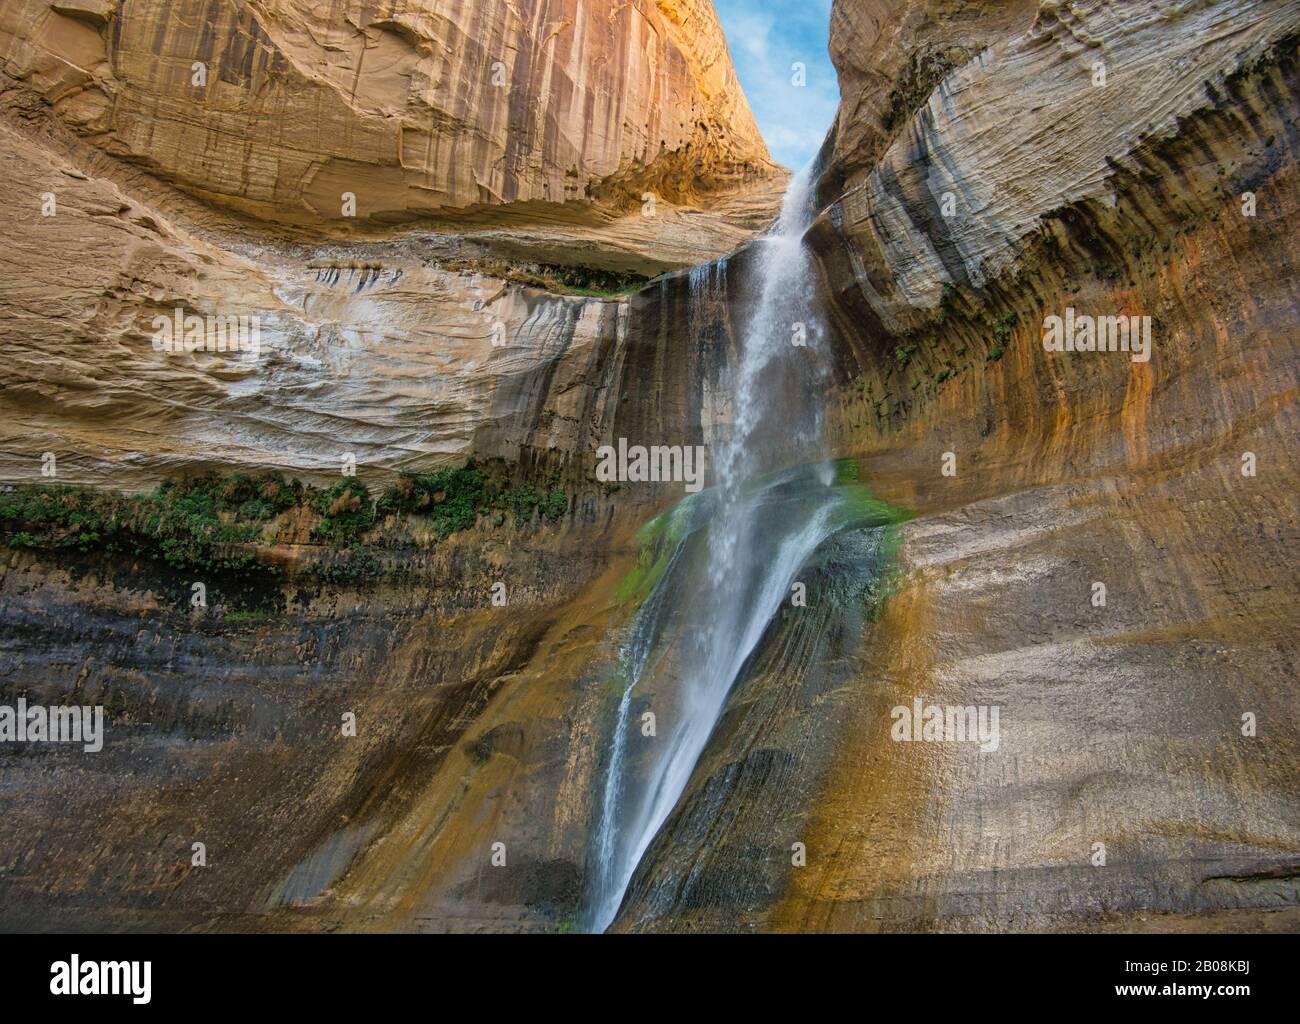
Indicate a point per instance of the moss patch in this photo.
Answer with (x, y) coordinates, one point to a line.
(219, 523)
(195, 524)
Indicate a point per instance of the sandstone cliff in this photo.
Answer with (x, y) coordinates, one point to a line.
(524, 139)
(404, 350)
(963, 212)
(398, 349)
(977, 181)
(279, 107)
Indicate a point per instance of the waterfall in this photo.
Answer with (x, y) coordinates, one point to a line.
(738, 548)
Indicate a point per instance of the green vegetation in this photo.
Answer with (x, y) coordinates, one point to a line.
(455, 498)
(847, 471)
(524, 502)
(862, 510)
(657, 541)
(213, 523)
(198, 523)
(346, 510)
(452, 497)
(356, 565)
(246, 617)
(635, 587)
(554, 504)
(1002, 329)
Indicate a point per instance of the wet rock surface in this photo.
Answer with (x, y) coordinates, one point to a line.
(1122, 725)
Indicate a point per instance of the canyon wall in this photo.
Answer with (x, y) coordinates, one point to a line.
(1129, 788)
(406, 351)
(279, 107)
(402, 350)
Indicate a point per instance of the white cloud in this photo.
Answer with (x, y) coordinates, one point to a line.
(764, 43)
(747, 35)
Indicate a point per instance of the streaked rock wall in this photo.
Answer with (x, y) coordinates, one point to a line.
(412, 106)
(1121, 724)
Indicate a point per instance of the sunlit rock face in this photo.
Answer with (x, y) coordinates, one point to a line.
(403, 349)
(890, 55)
(376, 351)
(281, 107)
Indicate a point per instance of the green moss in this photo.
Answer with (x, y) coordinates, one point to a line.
(188, 524)
(657, 539)
(213, 523)
(635, 587)
(847, 471)
(346, 510)
(245, 617)
(860, 509)
(453, 497)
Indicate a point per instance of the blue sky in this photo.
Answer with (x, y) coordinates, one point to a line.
(766, 37)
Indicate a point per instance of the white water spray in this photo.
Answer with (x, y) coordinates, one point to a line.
(761, 529)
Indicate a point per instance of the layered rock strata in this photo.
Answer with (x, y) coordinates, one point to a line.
(281, 107)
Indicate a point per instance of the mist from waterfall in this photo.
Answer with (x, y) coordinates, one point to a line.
(770, 506)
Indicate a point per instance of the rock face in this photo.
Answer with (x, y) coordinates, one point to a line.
(980, 178)
(890, 55)
(397, 349)
(975, 174)
(405, 351)
(1127, 790)
(227, 729)
(410, 106)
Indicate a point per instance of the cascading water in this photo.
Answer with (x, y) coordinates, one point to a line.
(737, 549)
